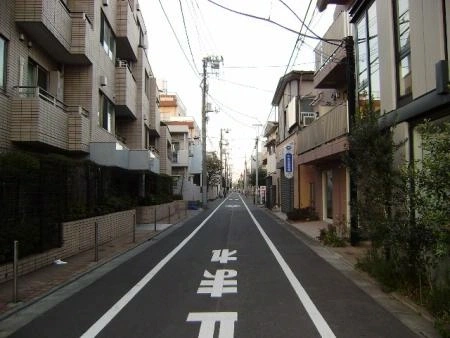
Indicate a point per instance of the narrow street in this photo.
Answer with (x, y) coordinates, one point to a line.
(229, 272)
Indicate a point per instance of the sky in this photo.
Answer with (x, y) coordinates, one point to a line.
(256, 54)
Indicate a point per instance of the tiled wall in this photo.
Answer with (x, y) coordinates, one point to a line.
(78, 236)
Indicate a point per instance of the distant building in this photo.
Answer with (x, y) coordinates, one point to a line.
(186, 159)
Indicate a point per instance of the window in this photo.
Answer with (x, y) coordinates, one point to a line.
(403, 52)
(106, 113)
(368, 66)
(2, 62)
(37, 76)
(107, 38)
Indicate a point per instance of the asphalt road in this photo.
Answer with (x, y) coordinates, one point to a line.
(229, 272)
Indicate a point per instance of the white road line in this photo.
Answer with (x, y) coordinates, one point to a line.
(100, 324)
(311, 309)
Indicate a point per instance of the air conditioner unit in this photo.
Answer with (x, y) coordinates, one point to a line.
(103, 81)
(105, 2)
(121, 63)
(307, 118)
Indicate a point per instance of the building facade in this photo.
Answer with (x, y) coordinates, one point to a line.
(186, 163)
(76, 80)
(292, 100)
(401, 70)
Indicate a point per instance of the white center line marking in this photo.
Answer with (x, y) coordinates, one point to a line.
(100, 324)
(309, 306)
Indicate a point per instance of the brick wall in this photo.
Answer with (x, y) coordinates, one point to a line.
(78, 236)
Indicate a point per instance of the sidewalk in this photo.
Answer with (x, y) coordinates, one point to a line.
(345, 259)
(44, 281)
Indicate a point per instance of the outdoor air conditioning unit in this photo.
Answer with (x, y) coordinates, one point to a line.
(307, 118)
(103, 81)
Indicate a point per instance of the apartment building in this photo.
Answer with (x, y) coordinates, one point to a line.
(401, 71)
(75, 79)
(292, 99)
(186, 159)
(270, 162)
(323, 138)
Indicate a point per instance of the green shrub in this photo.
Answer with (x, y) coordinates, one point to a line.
(330, 237)
(302, 214)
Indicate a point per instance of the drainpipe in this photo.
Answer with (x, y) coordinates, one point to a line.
(351, 98)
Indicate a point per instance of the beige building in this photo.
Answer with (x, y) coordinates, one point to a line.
(292, 99)
(76, 80)
(186, 158)
(401, 63)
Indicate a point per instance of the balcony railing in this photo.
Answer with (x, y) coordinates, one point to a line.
(126, 90)
(330, 56)
(328, 127)
(127, 32)
(39, 117)
(50, 24)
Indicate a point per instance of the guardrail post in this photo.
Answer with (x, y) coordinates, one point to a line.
(155, 218)
(134, 227)
(96, 243)
(15, 271)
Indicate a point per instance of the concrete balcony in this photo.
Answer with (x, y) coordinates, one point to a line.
(144, 160)
(51, 25)
(331, 57)
(38, 118)
(115, 154)
(126, 90)
(154, 114)
(324, 137)
(180, 158)
(127, 32)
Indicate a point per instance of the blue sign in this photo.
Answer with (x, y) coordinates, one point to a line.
(288, 163)
(289, 160)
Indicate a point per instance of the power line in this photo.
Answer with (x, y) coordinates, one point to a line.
(231, 109)
(273, 22)
(187, 36)
(178, 41)
(245, 85)
(260, 67)
(299, 35)
(303, 40)
(304, 24)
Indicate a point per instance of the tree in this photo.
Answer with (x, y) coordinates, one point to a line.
(213, 169)
(262, 174)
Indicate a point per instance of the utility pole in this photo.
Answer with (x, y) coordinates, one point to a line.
(220, 148)
(245, 175)
(257, 163)
(214, 62)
